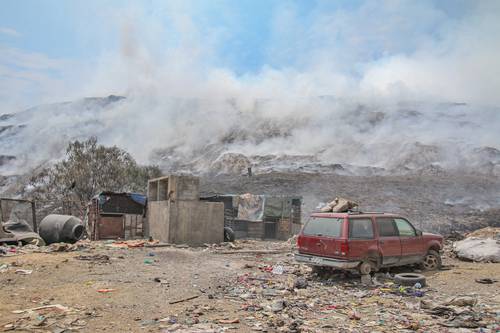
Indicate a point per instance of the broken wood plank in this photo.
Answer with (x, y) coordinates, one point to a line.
(184, 299)
(159, 245)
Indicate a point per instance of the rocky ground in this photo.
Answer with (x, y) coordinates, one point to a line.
(243, 287)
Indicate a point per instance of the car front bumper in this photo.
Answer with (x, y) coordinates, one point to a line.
(322, 261)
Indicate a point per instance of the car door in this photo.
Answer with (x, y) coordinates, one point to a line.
(411, 242)
(361, 237)
(389, 242)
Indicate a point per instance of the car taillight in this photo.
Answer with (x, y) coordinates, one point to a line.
(300, 240)
(344, 248)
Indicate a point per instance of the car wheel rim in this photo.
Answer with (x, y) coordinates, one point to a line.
(430, 262)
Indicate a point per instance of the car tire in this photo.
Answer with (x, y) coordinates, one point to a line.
(431, 261)
(229, 235)
(375, 262)
(409, 279)
(365, 268)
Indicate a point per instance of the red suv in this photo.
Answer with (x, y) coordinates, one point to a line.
(366, 241)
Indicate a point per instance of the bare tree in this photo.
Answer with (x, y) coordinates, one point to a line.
(90, 168)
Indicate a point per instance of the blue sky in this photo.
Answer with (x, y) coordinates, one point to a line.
(82, 29)
(48, 46)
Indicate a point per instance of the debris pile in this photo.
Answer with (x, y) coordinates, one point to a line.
(241, 286)
(49, 318)
(482, 245)
(339, 205)
(19, 231)
(296, 300)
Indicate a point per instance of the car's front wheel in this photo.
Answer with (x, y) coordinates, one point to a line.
(432, 261)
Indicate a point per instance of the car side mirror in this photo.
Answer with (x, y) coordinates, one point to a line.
(419, 232)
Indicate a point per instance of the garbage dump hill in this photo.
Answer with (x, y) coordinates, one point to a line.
(408, 158)
(317, 134)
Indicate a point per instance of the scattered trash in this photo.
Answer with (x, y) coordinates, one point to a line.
(277, 306)
(161, 281)
(58, 307)
(104, 291)
(228, 321)
(102, 258)
(63, 247)
(4, 268)
(21, 232)
(301, 283)
(278, 269)
(462, 301)
(129, 244)
(354, 315)
(184, 299)
(271, 293)
(24, 271)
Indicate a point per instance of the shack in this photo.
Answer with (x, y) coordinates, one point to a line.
(112, 215)
(261, 216)
(176, 215)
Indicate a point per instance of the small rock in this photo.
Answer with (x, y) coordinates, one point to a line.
(301, 283)
(278, 306)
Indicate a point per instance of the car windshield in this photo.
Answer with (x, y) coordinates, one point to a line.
(323, 226)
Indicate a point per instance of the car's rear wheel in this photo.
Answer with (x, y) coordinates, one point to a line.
(371, 264)
(432, 261)
(365, 268)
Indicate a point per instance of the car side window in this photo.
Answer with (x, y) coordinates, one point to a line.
(360, 229)
(405, 228)
(387, 227)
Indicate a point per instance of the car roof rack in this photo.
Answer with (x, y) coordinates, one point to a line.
(350, 212)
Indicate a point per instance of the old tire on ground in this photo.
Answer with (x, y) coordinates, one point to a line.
(409, 279)
(431, 261)
(229, 235)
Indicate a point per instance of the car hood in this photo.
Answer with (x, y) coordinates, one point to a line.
(431, 235)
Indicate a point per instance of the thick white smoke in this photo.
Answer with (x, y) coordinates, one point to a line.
(357, 86)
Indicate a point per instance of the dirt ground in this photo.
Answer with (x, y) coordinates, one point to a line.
(231, 291)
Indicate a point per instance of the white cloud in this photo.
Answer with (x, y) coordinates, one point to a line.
(9, 32)
(28, 78)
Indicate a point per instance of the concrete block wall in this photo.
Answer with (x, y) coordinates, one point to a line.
(196, 222)
(176, 215)
(158, 220)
